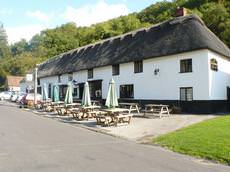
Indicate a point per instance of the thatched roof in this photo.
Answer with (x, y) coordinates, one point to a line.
(178, 35)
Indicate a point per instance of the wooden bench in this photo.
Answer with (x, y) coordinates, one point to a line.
(157, 109)
(102, 118)
(121, 118)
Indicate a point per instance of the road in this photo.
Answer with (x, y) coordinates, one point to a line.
(32, 143)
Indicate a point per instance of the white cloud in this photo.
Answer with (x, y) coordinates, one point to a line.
(39, 15)
(26, 31)
(82, 16)
(94, 13)
(6, 11)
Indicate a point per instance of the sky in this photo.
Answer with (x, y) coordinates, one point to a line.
(25, 18)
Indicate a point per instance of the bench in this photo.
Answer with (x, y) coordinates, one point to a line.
(102, 118)
(121, 118)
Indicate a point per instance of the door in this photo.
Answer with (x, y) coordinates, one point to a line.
(81, 89)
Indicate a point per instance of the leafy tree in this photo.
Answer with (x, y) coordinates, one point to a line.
(216, 17)
(4, 49)
(20, 47)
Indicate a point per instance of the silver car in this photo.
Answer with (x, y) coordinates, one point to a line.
(5, 95)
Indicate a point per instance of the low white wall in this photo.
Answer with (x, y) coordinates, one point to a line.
(219, 80)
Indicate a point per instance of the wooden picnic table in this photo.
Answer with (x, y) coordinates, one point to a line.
(131, 106)
(115, 115)
(157, 109)
(115, 110)
(84, 112)
(71, 105)
(57, 103)
(94, 102)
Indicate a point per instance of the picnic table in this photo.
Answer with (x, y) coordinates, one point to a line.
(157, 109)
(63, 109)
(45, 104)
(57, 103)
(84, 112)
(114, 116)
(131, 106)
(93, 102)
(71, 105)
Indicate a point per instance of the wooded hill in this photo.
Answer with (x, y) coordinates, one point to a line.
(18, 58)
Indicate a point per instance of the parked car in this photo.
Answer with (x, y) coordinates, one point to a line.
(14, 96)
(5, 95)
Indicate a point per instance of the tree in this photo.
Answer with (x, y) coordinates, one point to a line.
(20, 47)
(4, 49)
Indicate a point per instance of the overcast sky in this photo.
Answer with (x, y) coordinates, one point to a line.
(25, 18)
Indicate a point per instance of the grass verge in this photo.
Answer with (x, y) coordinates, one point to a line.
(208, 139)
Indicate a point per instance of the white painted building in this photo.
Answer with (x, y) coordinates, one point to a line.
(169, 63)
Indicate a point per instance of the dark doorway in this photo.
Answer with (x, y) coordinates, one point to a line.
(62, 91)
(81, 89)
(228, 93)
(95, 88)
(49, 90)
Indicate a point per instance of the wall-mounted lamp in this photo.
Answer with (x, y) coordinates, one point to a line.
(74, 82)
(156, 71)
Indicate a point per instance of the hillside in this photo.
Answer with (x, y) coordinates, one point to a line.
(22, 56)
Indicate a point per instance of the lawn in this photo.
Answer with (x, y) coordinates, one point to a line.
(209, 139)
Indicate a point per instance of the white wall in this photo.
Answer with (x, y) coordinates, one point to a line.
(219, 80)
(49, 80)
(13, 88)
(26, 85)
(164, 86)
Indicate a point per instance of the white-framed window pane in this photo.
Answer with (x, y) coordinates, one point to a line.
(186, 94)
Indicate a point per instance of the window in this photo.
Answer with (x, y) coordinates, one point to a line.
(95, 89)
(116, 69)
(90, 73)
(59, 78)
(39, 90)
(186, 94)
(214, 64)
(75, 92)
(49, 90)
(62, 91)
(126, 91)
(38, 81)
(138, 66)
(70, 76)
(186, 65)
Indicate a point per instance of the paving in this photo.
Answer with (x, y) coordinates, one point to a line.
(32, 143)
(141, 127)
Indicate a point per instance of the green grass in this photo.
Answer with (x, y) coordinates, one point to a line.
(209, 139)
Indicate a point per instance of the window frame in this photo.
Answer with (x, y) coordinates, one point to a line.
(187, 68)
(90, 73)
(70, 76)
(138, 66)
(186, 94)
(127, 97)
(38, 81)
(115, 69)
(59, 78)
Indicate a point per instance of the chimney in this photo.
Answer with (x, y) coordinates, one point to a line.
(181, 11)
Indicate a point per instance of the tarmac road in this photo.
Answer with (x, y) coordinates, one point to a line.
(32, 143)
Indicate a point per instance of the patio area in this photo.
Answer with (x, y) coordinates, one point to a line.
(141, 128)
